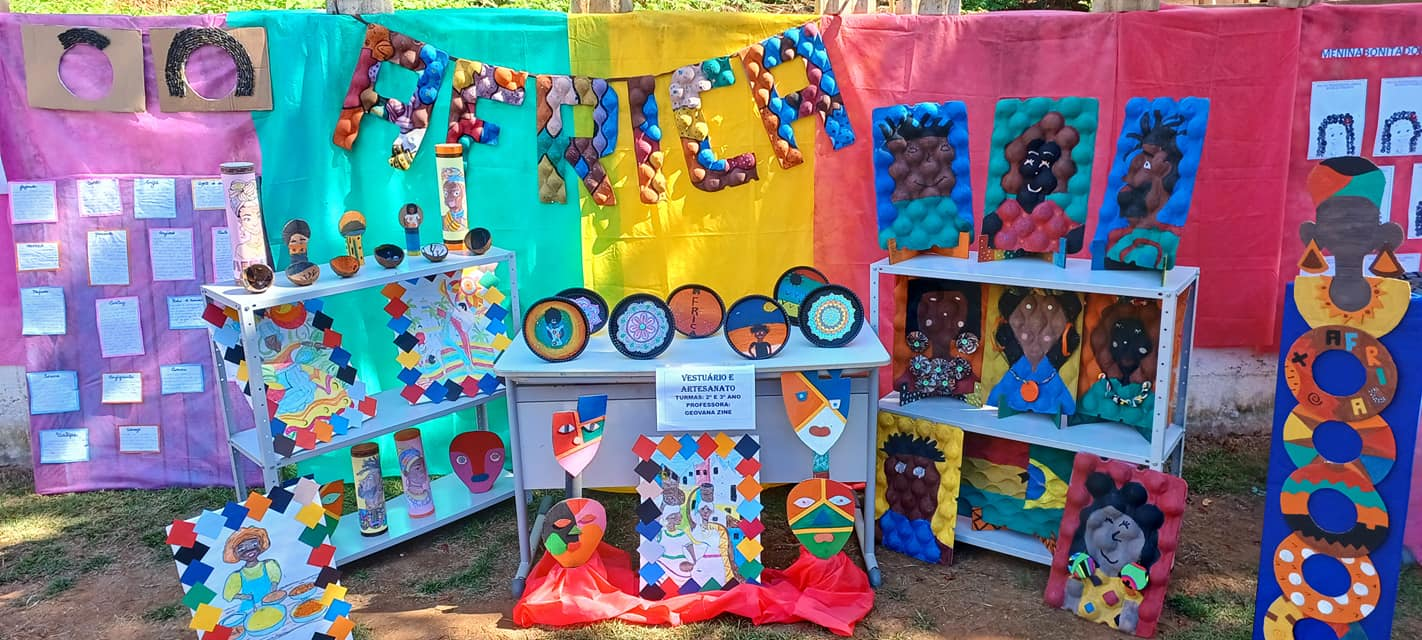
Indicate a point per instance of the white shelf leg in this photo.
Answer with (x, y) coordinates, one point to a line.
(866, 541)
(239, 484)
(1160, 419)
(525, 560)
(258, 386)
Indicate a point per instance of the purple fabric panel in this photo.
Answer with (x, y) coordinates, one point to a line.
(39, 144)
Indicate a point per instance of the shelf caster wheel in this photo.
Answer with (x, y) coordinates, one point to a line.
(875, 578)
(518, 585)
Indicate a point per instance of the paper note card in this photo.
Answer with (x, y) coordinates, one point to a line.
(221, 255)
(60, 446)
(171, 252)
(120, 331)
(36, 256)
(99, 197)
(139, 438)
(181, 378)
(705, 398)
(185, 312)
(33, 202)
(53, 391)
(123, 388)
(42, 311)
(207, 194)
(108, 257)
(155, 198)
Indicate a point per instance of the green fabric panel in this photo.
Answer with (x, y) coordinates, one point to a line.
(305, 175)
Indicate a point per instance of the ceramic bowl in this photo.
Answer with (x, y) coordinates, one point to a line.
(345, 266)
(389, 255)
(303, 274)
(478, 240)
(435, 252)
(257, 278)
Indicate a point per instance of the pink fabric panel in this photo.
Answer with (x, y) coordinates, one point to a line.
(39, 144)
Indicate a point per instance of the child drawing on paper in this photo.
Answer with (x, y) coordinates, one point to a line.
(449, 333)
(255, 583)
(712, 559)
(301, 380)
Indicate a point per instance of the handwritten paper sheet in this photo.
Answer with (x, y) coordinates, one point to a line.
(42, 311)
(32, 202)
(207, 194)
(123, 388)
(61, 446)
(37, 256)
(155, 198)
(53, 391)
(120, 331)
(185, 312)
(181, 378)
(139, 438)
(221, 255)
(108, 257)
(171, 253)
(99, 197)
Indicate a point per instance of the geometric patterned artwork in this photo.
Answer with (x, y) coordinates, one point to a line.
(938, 338)
(312, 391)
(821, 96)
(1014, 485)
(821, 515)
(262, 567)
(1039, 177)
(1118, 539)
(1117, 382)
(916, 498)
(1151, 182)
(922, 179)
(449, 331)
(699, 517)
(1031, 364)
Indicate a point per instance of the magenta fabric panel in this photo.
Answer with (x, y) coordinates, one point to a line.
(39, 144)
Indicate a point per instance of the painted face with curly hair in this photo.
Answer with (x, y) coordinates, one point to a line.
(1038, 322)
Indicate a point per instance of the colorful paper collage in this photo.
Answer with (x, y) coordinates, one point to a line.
(923, 191)
(312, 390)
(449, 331)
(1039, 178)
(1118, 539)
(938, 339)
(1032, 364)
(699, 519)
(1014, 485)
(918, 484)
(263, 567)
(583, 153)
(821, 96)
(1118, 363)
(1151, 183)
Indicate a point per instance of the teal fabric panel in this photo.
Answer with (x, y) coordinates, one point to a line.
(305, 175)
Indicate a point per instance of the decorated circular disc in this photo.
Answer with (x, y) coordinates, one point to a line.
(756, 327)
(698, 312)
(794, 285)
(1379, 382)
(594, 307)
(831, 316)
(555, 329)
(641, 326)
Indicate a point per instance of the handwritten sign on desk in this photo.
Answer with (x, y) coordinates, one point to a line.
(696, 398)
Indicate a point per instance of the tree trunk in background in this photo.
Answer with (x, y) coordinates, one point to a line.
(349, 7)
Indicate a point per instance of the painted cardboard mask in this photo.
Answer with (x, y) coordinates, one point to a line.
(577, 435)
(477, 457)
(821, 515)
(574, 530)
(816, 407)
(333, 496)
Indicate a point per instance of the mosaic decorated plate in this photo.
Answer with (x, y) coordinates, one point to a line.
(757, 327)
(794, 285)
(641, 326)
(696, 310)
(593, 305)
(556, 329)
(831, 316)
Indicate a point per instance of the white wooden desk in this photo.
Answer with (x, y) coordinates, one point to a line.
(536, 389)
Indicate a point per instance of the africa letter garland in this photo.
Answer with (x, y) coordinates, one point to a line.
(263, 567)
(312, 391)
(449, 332)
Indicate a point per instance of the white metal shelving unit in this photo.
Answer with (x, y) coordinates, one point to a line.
(1166, 448)
(452, 499)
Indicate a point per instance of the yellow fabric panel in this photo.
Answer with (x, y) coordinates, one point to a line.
(950, 442)
(737, 240)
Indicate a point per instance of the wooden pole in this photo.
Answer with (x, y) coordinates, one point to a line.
(354, 7)
(601, 6)
(1105, 6)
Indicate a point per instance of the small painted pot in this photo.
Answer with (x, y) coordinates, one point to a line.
(303, 274)
(389, 255)
(257, 278)
(345, 266)
(435, 252)
(478, 241)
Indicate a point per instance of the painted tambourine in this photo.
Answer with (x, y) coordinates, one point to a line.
(831, 316)
(756, 327)
(555, 329)
(792, 287)
(594, 307)
(696, 310)
(641, 326)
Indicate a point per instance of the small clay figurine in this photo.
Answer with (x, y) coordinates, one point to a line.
(436, 252)
(410, 218)
(389, 255)
(353, 228)
(478, 241)
(300, 271)
(257, 278)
